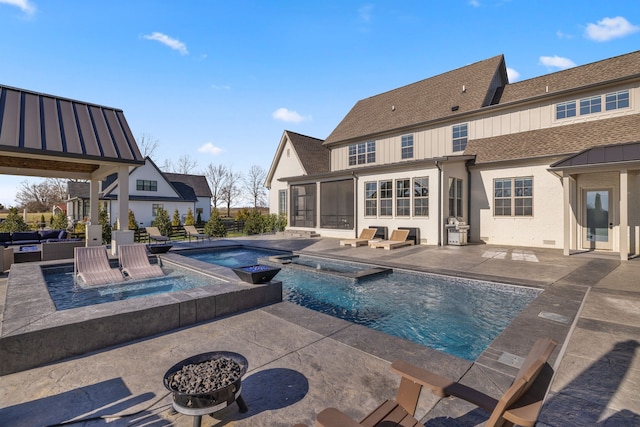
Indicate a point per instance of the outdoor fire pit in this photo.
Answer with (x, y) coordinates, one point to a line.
(206, 383)
(256, 274)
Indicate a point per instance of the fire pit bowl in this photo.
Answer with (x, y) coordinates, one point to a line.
(214, 399)
(256, 274)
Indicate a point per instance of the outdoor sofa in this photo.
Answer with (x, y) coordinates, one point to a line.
(33, 237)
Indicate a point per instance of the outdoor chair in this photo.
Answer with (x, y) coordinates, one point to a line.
(135, 262)
(366, 235)
(91, 264)
(397, 239)
(520, 404)
(155, 235)
(193, 232)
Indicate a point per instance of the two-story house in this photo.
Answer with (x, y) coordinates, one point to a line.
(552, 161)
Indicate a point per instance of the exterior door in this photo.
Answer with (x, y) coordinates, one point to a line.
(598, 219)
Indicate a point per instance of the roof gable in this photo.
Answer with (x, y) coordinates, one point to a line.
(462, 90)
(313, 156)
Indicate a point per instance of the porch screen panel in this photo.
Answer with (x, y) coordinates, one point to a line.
(303, 205)
(337, 204)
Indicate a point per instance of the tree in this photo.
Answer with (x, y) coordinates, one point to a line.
(163, 222)
(103, 220)
(41, 196)
(230, 190)
(148, 146)
(133, 224)
(186, 164)
(254, 185)
(215, 227)
(216, 175)
(188, 220)
(175, 221)
(13, 222)
(59, 221)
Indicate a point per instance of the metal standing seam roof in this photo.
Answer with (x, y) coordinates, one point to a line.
(606, 154)
(452, 93)
(40, 124)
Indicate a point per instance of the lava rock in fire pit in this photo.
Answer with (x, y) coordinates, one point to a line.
(205, 377)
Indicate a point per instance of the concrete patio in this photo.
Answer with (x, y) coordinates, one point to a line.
(301, 361)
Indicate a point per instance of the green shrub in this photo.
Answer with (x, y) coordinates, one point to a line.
(175, 221)
(163, 222)
(254, 224)
(14, 222)
(103, 220)
(188, 220)
(215, 227)
(59, 221)
(133, 224)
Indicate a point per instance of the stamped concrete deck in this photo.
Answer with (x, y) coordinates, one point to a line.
(301, 361)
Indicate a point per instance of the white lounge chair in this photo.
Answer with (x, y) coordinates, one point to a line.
(155, 235)
(91, 264)
(135, 262)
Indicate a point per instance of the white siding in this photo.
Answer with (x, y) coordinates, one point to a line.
(288, 165)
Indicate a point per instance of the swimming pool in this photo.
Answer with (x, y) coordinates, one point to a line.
(454, 315)
(67, 293)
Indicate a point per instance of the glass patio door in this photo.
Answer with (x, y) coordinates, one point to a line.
(598, 224)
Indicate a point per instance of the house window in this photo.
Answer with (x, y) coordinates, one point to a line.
(403, 197)
(361, 153)
(455, 197)
(407, 147)
(146, 185)
(590, 105)
(386, 198)
(155, 207)
(565, 109)
(370, 198)
(513, 197)
(282, 202)
(616, 100)
(421, 196)
(460, 134)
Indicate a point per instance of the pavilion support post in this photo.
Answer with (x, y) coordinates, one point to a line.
(122, 236)
(93, 229)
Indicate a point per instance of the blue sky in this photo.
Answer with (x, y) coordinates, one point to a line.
(221, 80)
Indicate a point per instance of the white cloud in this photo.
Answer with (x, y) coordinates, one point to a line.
(557, 62)
(610, 28)
(25, 5)
(512, 74)
(562, 35)
(209, 148)
(168, 41)
(287, 115)
(474, 3)
(365, 12)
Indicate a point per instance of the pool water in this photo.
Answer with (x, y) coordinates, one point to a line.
(66, 293)
(454, 315)
(232, 258)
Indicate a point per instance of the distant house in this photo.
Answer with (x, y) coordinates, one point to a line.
(149, 189)
(553, 161)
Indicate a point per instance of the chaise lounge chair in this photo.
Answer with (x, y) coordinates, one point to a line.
(193, 232)
(398, 239)
(155, 235)
(520, 404)
(366, 235)
(135, 262)
(91, 264)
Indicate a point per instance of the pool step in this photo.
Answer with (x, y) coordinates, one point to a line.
(300, 233)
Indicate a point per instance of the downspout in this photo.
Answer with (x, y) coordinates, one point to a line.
(439, 166)
(466, 166)
(355, 201)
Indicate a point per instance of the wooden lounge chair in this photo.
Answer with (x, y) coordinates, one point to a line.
(397, 239)
(366, 235)
(155, 235)
(520, 404)
(193, 232)
(135, 262)
(91, 264)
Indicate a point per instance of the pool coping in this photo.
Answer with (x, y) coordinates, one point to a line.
(34, 333)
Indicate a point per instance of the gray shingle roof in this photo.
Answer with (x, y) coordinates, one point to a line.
(198, 183)
(596, 72)
(423, 101)
(315, 157)
(559, 140)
